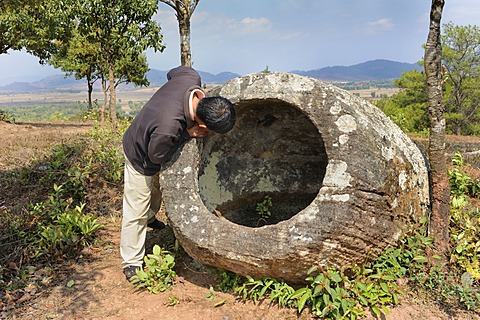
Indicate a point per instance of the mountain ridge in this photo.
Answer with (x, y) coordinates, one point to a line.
(379, 69)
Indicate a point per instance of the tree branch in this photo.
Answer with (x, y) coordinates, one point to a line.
(194, 6)
(170, 3)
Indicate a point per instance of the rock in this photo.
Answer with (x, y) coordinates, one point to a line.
(344, 180)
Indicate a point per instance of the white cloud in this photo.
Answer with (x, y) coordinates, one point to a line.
(165, 17)
(381, 25)
(256, 24)
(462, 12)
(224, 28)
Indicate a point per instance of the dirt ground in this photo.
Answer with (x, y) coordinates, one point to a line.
(94, 287)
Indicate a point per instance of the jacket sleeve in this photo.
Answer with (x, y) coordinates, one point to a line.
(162, 146)
(159, 147)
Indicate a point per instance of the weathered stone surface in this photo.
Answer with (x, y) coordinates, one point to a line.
(345, 181)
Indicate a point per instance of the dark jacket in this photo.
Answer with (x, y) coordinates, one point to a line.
(161, 126)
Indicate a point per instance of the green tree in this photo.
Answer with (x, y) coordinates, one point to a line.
(439, 219)
(11, 13)
(184, 11)
(132, 67)
(84, 59)
(37, 26)
(81, 58)
(460, 74)
(121, 29)
(408, 108)
(461, 61)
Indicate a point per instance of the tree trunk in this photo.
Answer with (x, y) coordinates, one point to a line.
(113, 97)
(104, 104)
(458, 110)
(440, 216)
(90, 90)
(184, 29)
(184, 11)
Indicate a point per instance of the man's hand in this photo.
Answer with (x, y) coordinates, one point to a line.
(198, 131)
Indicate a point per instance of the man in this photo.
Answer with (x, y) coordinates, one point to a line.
(175, 113)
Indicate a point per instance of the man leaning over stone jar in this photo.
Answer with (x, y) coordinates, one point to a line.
(177, 112)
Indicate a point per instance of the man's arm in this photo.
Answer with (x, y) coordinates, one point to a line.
(159, 147)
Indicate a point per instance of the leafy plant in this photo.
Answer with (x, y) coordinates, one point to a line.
(106, 156)
(172, 300)
(91, 114)
(263, 207)
(229, 280)
(330, 299)
(461, 182)
(254, 289)
(58, 221)
(467, 293)
(464, 222)
(6, 117)
(68, 232)
(332, 294)
(58, 225)
(158, 274)
(281, 293)
(211, 296)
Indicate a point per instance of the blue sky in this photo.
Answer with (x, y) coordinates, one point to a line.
(245, 36)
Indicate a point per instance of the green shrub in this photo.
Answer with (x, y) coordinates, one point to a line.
(60, 230)
(6, 117)
(46, 112)
(106, 156)
(335, 294)
(58, 221)
(229, 280)
(263, 208)
(464, 221)
(67, 234)
(158, 274)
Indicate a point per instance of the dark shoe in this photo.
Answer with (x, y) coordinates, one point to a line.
(130, 271)
(156, 225)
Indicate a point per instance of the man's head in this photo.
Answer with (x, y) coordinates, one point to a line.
(217, 113)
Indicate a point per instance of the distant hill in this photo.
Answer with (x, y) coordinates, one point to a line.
(218, 78)
(158, 77)
(367, 71)
(18, 87)
(58, 82)
(61, 82)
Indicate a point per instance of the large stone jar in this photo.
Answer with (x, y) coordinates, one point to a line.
(344, 180)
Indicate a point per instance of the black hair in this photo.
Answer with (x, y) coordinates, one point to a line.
(217, 113)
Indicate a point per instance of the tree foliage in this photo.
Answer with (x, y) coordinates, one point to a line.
(93, 39)
(408, 108)
(119, 32)
(460, 75)
(81, 58)
(461, 61)
(37, 26)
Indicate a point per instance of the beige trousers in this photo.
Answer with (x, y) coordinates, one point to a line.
(142, 199)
